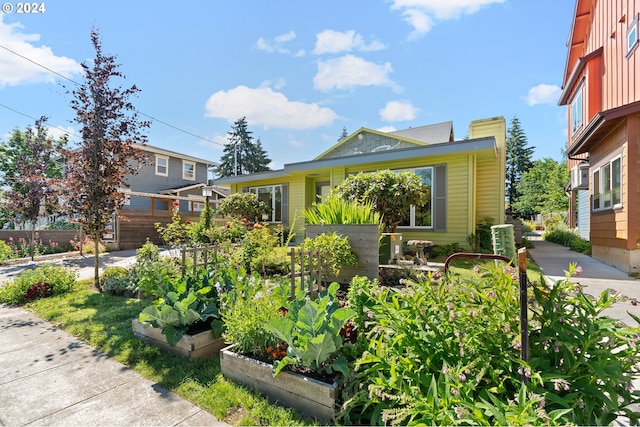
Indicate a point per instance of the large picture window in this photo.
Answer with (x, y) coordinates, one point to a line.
(607, 185)
(422, 216)
(272, 195)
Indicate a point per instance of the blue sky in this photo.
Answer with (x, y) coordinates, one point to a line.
(299, 71)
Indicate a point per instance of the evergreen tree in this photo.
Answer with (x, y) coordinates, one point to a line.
(344, 134)
(242, 155)
(518, 162)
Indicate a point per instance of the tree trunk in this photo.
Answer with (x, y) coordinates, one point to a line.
(96, 276)
(33, 240)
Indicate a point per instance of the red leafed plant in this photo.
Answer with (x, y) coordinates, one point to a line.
(39, 290)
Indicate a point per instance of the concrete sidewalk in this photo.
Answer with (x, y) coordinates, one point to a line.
(47, 377)
(596, 277)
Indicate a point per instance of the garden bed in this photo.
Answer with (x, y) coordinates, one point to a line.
(196, 346)
(307, 395)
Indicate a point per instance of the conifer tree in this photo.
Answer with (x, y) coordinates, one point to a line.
(518, 162)
(242, 155)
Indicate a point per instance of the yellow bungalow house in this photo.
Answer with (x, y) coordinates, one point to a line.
(467, 177)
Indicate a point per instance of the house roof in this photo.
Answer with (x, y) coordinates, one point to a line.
(165, 152)
(578, 33)
(220, 190)
(487, 143)
(439, 132)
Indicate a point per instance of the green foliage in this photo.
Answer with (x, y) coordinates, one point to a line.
(61, 224)
(311, 329)
(335, 210)
(359, 298)
(5, 252)
(335, 252)
(541, 188)
(390, 193)
(175, 233)
(568, 238)
(244, 205)
(246, 308)
(242, 155)
(481, 240)
(518, 162)
(446, 250)
(255, 246)
(156, 276)
(200, 232)
(119, 280)
(586, 360)
(61, 279)
(192, 299)
(433, 347)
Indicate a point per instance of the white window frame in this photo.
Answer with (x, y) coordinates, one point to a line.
(633, 38)
(273, 216)
(577, 109)
(158, 165)
(412, 215)
(607, 185)
(190, 176)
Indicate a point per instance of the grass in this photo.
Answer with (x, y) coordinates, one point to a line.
(104, 322)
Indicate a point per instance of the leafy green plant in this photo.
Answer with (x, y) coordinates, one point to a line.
(119, 280)
(586, 360)
(60, 279)
(311, 330)
(244, 205)
(192, 300)
(390, 193)
(5, 252)
(481, 240)
(335, 210)
(335, 252)
(246, 308)
(568, 238)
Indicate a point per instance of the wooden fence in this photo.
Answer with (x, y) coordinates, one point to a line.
(200, 256)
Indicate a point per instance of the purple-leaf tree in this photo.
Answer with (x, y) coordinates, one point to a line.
(32, 175)
(97, 171)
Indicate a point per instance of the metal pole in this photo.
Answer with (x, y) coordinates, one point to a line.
(524, 318)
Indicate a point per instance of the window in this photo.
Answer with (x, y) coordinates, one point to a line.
(422, 216)
(607, 185)
(162, 165)
(188, 170)
(576, 110)
(272, 195)
(632, 36)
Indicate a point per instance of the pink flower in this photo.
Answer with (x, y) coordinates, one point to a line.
(577, 271)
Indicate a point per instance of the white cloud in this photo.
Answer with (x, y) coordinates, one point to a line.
(277, 44)
(58, 132)
(396, 111)
(16, 70)
(349, 71)
(264, 107)
(387, 129)
(421, 14)
(543, 94)
(329, 41)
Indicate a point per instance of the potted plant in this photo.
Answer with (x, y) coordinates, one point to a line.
(308, 373)
(185, 320)
(356, 221)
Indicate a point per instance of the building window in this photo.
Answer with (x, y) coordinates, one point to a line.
(198, 206)
(607, 185)
(162, 165)
(632, 36)
(188, 170)
(576, 110)
(272, 196)
(421, 216)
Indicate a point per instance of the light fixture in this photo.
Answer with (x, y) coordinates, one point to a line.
(207, 191)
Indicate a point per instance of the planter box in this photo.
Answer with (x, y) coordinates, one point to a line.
(363, 239)
(307, 395)
(192, 347)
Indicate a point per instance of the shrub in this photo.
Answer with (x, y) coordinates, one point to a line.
(481, 240)
(119, 281)
(244, 205)
(335, 252)
(568, 238)
(5, 252)
(445, 251)
(60, 279)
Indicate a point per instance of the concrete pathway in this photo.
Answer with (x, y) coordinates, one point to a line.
(596, 277)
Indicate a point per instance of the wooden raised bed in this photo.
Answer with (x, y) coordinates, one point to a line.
(307, 395)
(203, 344)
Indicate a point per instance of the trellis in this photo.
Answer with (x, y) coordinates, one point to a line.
(306, 265)
(200, 256)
